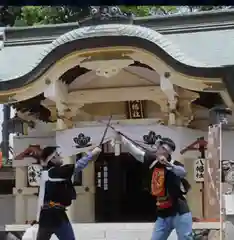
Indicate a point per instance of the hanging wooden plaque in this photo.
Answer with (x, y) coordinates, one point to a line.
(135, 109)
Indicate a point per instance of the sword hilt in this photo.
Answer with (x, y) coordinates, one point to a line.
(120, 133)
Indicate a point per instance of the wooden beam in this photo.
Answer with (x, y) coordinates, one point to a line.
(125, 122)
(115, 94)
(30, 191)
(213, 226)
(70, 111)
(27, 116)
(227, 99)
(24, 162)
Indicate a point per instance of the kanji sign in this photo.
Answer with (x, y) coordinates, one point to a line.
(135, 109)
(199, 170)
(34, 175)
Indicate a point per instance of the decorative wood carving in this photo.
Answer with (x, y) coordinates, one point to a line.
(151, 138)
(33, 151)
(107, 68)
(82, 141)
(18, 125)
(106, 14)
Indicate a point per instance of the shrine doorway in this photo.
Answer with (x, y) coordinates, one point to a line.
(121, 193)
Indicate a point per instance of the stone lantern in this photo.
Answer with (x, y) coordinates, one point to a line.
(219, 114)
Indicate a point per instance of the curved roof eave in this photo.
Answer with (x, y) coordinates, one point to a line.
(113, 35)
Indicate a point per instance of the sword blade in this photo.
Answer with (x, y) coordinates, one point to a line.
(105, 132)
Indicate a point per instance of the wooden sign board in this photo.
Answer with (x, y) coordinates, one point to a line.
(34, 175)
(199, 170)
(135, 109)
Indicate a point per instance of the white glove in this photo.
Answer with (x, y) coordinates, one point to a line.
(164, 161)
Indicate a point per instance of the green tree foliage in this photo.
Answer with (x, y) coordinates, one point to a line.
(36, 15)
(143, 11)
(206, 8)
(32, 15)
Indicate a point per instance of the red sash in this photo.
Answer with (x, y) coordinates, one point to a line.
(158, 188)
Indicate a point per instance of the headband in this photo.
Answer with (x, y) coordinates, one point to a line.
(50, 157)
(167, 147)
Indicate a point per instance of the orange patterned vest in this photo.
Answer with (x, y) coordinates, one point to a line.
(158, 189)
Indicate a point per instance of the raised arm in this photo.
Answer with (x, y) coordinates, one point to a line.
(136, 152)
(83, 162)
(178, 169)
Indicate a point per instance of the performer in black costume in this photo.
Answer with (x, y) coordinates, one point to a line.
(168, 186)
(59, 193)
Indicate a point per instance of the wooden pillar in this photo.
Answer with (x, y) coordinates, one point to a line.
(57, 92)
(81, 210)
(168, 89)
(87, 201)
(61, 125)
(20, 201)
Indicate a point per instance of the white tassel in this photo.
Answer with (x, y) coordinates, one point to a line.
(40, 201)
(30, 233)
(117, 149)
(112, 143)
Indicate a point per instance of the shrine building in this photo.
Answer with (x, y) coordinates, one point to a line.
(160, 74)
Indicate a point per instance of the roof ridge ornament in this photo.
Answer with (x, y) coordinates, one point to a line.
(151, 138)
(2, 37)
(106, 15)
(6, 17)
